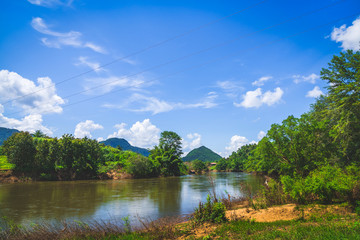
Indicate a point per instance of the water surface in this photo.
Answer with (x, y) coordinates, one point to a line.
(114, 199)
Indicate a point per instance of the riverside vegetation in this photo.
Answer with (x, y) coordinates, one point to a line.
(68, 158)
(313, 159)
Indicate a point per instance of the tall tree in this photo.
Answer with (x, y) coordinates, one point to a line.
(343, 108)
(20, 150)
(167, 156)
(171, 141)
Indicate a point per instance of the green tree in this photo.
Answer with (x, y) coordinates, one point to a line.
(20, 150)
(171, 141)
(39, 134)
(343, 103)
(198, 166)
(166, 157)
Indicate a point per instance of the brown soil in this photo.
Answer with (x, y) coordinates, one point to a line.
(115, 175)
(8, 177)
(272, 214)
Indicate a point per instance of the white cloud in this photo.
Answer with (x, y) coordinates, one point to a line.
(316, 92)
(51, 3)
(106, 84)
(261, 134)
(348, 36)
(93, 65)
(25, 94)
(141, 103)
(141, 134)
(193, 141)
(261, 81)
(257, 98)
(29, 123)
(59, 39)
(83, 129)
(236, 142)
(311, 78)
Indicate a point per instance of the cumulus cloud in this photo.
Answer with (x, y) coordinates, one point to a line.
(26, 95)
(257, 98)
(310, 78)
(29, 123)
(83, 129)
(193, 140)
(236, 142)
(261, 81)
(316, 92)
(261, 134)
(59, 39)
(349, 37)
(51, 3)
(141, 134)
(140, 103)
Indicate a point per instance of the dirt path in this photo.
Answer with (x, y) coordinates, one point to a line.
(277, 213)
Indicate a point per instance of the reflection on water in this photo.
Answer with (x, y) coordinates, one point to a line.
(107, 200)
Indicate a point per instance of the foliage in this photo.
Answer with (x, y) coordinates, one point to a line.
(202, 153)
(139, 166)
(343, 108)
(198, 166)
(4, 164)
(20, 150)
(171, 142)
(222, 165)
(324, 184)
(210, 211)
(166, 157)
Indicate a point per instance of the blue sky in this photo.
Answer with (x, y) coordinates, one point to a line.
(218, 73)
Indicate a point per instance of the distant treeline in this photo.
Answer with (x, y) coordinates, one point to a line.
(316, 156)
(69, 158)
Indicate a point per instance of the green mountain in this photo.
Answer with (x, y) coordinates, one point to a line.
(5, 133)
(125, 145)
(202, 153)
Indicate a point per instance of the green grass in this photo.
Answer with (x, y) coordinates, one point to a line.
(4, 164)
(335, 229)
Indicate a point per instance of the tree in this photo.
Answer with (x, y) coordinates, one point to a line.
(171, 141)
(343, 103)
(20, 150)
(166, 157)
(39, 134)
(198, 166)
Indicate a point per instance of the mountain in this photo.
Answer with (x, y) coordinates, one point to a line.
(5, 133)
(202, 153)
(125, 145)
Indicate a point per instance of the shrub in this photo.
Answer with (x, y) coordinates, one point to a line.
(211, 211)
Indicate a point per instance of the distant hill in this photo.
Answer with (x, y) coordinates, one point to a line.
(125, 145)
(5, 133)
(202, 153)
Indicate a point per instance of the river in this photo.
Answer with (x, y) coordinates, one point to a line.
(152, 198)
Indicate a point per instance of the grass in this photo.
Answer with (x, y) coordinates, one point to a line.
(4, 164)
(320, 225)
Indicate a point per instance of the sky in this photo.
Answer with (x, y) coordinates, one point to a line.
(218, 73)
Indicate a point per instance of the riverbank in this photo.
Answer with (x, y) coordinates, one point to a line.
(278, 222)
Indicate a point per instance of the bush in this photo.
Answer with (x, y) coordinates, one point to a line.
(139, 166)
(324, 184)
(211, 211)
